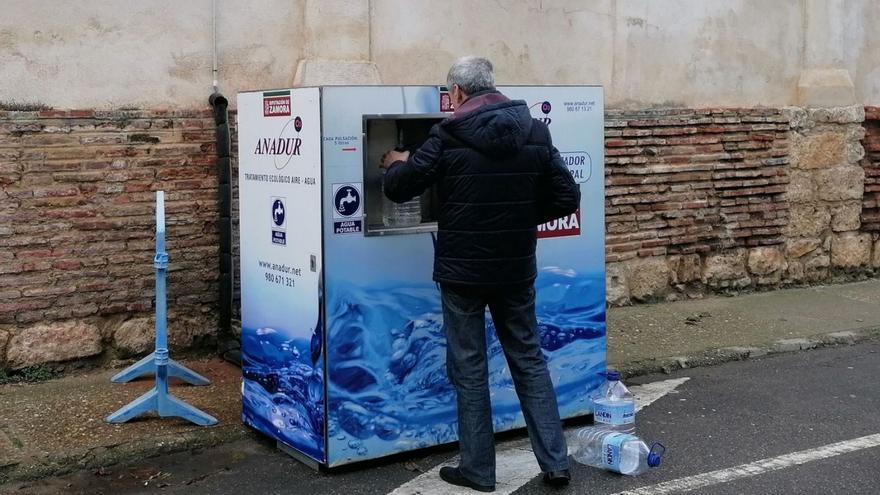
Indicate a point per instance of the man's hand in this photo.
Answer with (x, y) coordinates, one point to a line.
(392, 156)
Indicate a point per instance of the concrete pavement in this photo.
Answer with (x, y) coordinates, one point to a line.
(802, 423)
(55, 427)
(664, 337)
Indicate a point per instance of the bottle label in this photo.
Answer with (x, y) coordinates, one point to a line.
(616, 413)
(611, 446)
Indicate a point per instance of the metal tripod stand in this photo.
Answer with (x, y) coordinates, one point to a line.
(158, 399)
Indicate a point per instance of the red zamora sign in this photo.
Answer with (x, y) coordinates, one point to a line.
(561, 227)
(276, 106)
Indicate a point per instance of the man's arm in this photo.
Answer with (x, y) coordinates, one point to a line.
(559, 195)
(405, 180)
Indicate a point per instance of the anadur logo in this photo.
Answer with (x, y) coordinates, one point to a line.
(541, 111)
(276, 104)
(285, 146)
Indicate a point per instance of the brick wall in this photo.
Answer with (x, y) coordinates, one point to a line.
(694, 181)
(77, 218)
(696, 201)
(728, 200)
(870, 214)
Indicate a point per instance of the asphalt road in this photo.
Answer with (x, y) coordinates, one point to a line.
(723, 417)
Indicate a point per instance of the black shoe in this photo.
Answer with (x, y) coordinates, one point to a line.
(557, 479)
(453, 476)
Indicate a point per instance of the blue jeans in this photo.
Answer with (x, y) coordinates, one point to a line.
(513, 312)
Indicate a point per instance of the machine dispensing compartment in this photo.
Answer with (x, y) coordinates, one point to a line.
(388, 132)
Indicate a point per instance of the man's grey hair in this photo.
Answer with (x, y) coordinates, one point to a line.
(472, 74)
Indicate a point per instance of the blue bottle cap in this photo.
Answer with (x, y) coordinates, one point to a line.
(655, 455)
(613, 375)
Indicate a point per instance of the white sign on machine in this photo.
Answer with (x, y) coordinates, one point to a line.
(279, 194)
(347, 208)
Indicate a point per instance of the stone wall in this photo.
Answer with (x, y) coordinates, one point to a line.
(77, 230)
(728, 200)
(826, 192)
(697, 201)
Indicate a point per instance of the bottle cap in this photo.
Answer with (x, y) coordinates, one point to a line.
(613, 375)
(655, 455)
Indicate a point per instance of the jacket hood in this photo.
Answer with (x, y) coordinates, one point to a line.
(497, 129)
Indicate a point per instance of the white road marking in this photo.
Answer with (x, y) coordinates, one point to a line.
(515, 462)
(758, 467)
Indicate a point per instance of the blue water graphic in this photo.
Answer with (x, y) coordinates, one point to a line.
(387, 384)
(283, 389)
(387, 381)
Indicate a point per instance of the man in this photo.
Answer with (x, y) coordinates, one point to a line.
(498, 177)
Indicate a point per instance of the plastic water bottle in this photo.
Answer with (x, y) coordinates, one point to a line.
(618, 452)
(614, 407)
(408, 214)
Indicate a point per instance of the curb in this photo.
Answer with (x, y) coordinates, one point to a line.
(57, 464)
(713, 357)
(61, 463)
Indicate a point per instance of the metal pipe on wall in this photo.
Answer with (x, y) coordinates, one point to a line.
(214, 43)
(220, 104)
(224, 223)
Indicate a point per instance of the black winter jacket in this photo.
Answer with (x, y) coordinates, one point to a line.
(498, 177)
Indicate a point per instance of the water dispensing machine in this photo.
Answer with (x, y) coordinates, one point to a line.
(342, 336)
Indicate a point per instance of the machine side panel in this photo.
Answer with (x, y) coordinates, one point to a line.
(281, 261)
(387, 385)
(570, 288)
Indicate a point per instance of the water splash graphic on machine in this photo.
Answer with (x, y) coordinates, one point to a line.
(283, 391)
(388, 389)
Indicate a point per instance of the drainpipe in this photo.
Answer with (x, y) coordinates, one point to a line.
(224, 223)
(229, 345)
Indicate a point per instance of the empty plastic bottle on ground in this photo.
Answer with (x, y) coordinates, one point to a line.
(614, 407)
(618, 452)
(408, 214)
